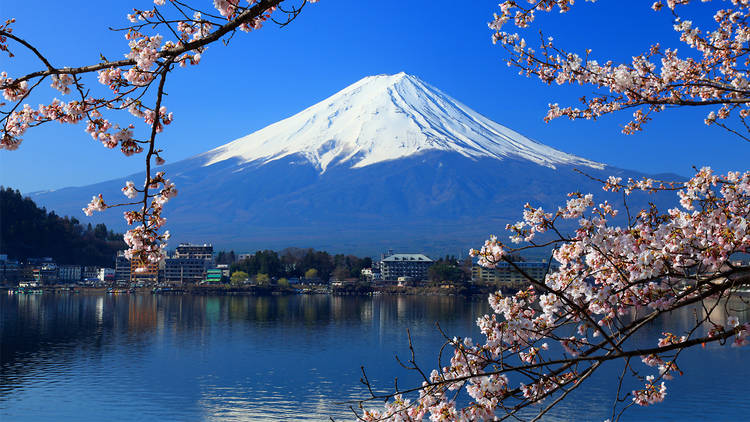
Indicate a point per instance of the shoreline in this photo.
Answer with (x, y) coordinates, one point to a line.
(253, 290)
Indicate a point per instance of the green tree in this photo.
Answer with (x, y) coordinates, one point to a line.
(238, 277)
(445, 271)
(262, 279)
(311, 273)
(322, 261)
(266, 262)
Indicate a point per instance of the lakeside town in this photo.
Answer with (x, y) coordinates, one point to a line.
(196, 268)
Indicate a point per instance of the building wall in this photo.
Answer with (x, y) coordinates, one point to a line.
(405, 265)
(505, 275)
(415, 270)
(106, 274)
(10, 272)
(185, 270)
(47, 274)
(122, 267)
(195, 252)
(224, 269)
(90, 272)
(213, 275)
(149, 275)
(70, 273)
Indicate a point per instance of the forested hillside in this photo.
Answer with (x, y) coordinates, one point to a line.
(27, 231)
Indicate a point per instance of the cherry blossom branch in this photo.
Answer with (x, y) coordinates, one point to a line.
(25, 43)
(130, 81)
(652, 81)
(172, 53)
(660, 262)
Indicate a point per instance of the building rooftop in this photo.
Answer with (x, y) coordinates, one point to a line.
(525, 264)
(415, 257)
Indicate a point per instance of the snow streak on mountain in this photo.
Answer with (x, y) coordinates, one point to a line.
(383, 118)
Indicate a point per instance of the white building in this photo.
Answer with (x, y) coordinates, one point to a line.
(106, 274)
(412, 265)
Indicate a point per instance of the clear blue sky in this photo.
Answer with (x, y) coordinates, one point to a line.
(273, 73)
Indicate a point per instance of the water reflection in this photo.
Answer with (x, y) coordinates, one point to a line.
(151, 357)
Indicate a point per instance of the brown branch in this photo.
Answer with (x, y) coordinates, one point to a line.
(26, 44)
(244, 17)
(152, 139)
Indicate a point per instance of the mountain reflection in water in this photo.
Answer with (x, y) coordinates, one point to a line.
(224, 358)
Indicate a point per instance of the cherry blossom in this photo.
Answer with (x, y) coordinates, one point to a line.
(171, 33)
(715, 76)
(96, 204)
(612, 280)
(130, 190)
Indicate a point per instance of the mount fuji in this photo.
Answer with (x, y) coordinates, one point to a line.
(389, 161)
(383, 118)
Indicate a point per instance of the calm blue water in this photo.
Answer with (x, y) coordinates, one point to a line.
(190, 358)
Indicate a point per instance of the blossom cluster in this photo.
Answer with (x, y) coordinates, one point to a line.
(145, 243)
(96, 204)
(714, 76)
(611, 280)
(651, 394)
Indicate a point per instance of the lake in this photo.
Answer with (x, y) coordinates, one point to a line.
(80, 357)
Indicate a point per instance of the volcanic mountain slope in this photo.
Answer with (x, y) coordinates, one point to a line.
(389, 161)
(383, 118)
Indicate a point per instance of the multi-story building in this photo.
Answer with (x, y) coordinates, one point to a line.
(38, 271)
(189, 264)
(70, 273)
(90, 272)
(505, 274)
(144, 272)
(10, 271)
(122, 267)
(412, 265)
(46, 273)
(185, 270)
(186, 250)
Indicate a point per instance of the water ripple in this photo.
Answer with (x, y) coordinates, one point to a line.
(155, 358)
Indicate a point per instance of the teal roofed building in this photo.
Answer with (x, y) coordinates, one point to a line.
(213, 275)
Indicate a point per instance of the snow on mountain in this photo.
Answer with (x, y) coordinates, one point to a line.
(387, 117)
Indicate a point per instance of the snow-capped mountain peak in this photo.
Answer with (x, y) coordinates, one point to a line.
(387, 117)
